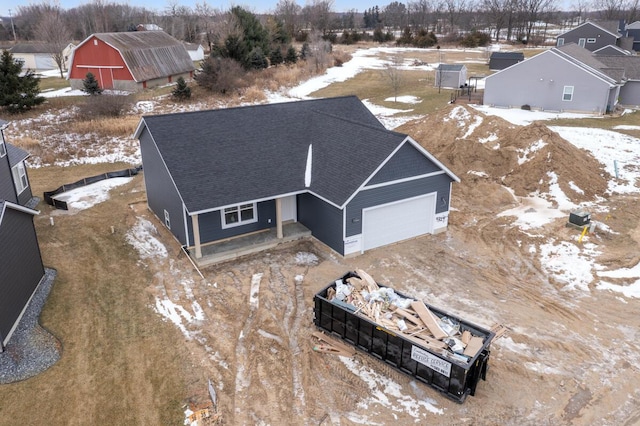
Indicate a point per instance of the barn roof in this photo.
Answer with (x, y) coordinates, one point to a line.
(148, 54)
(236, 155)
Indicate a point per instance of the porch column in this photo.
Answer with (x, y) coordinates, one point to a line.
(279, 217)
(196, 236)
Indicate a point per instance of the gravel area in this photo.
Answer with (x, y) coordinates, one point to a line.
(31, 349)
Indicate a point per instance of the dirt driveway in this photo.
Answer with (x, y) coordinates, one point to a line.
(569, 357)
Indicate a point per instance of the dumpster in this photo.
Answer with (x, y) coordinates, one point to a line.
(439, 363)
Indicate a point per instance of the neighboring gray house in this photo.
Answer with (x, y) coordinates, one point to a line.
(630, 91)
(328, 164)
(568, 78)
(591, 35)
(21, 268)
(633, 31)
(451, 75)
(502, 60)
(14, 180)
(611, 50)
(195, 50)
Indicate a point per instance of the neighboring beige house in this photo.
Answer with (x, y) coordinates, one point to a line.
(35, 56)
(66, 55)
(196, 51)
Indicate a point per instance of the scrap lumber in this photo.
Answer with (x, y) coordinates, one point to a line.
(429, 319)
(349, 351)
(408, 316)
(474, 346)
(432, 344)
(431, 340)
(367, 279)
(466, 336)
(498, 329)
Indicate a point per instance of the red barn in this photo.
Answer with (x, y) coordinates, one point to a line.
(130, 61)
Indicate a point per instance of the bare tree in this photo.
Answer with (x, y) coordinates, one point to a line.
(454, 9)
(534, 9)
(395, 15)
(609, 10)
(53, 29)
(419, 12)
(498, 12)
(288, 12)
(318, 15)
(394, 76)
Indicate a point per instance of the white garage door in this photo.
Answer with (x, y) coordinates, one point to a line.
(398, 221)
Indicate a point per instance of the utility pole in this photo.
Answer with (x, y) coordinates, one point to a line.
(13, 29)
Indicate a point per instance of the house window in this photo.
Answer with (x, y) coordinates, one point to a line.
(581, 42)
(239, 215)
(20, 177)
(567, 93)
(3, 149)
(560, 41)
(591, 40)
(167, 221)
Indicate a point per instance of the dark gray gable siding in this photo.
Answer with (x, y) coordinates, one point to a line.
(322, 219)
(25, 196)
(18, 155)
(210, 224)
(161, 193)
(603, 38)
(390, 193)
(406, 162)
(22, 267)
(7, 190)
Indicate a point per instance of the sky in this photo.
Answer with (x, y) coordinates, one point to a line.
(256, 6)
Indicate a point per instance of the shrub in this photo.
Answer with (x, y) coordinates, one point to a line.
(291, 56)
(181, 91)
(90, 85)
(105, 106)
(221, 75)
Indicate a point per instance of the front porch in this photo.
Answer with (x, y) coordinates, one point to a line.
(243, 245)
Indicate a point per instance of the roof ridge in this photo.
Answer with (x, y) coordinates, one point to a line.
(360, 123)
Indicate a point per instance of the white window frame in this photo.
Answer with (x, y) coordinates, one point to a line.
(238, 209)
(167, 219)
(3, 148)
(582, 42)
(20, 180)
(567, 90)
(591, 40)
(560, 41)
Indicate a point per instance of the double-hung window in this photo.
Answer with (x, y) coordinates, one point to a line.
(567, 93)
(239, 215)
(3, 148)
(20, 177)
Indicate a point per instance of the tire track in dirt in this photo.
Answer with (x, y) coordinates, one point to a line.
(242, 361)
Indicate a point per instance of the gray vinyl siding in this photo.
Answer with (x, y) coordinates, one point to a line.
(603, 38)
(26, 194)
(630, 93)
(7, 190)
(21, 269)
(450, 79)
(161, 193)
(539, 82)
(407, 162)
(322, 219)
(210, 224)
(390, 193)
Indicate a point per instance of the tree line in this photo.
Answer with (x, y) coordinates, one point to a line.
(510, 20)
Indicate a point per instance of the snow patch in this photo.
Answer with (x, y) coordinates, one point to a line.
(141, 237)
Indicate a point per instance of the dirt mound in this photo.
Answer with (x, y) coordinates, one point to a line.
(487, 152)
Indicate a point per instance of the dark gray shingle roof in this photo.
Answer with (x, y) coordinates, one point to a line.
(587, 60)
(630, 64)
(228, 156)
(508, 55)
(15, 154)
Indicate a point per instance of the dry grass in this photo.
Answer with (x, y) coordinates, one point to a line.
(106, 126)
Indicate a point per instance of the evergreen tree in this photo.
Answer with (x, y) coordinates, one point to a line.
(256, 60)
(276, 56)
(291, 56)
(90, 85)
(181, 91)
(17, 93)
(305, 52)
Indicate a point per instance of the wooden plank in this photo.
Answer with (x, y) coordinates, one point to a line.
(425, 343)
(437, 343)
(466, 336)
(334, 342)
(367, 278)
(474, 346)
(429, 319)
(408, 316)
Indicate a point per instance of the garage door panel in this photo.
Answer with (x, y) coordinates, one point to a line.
(398, 221)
